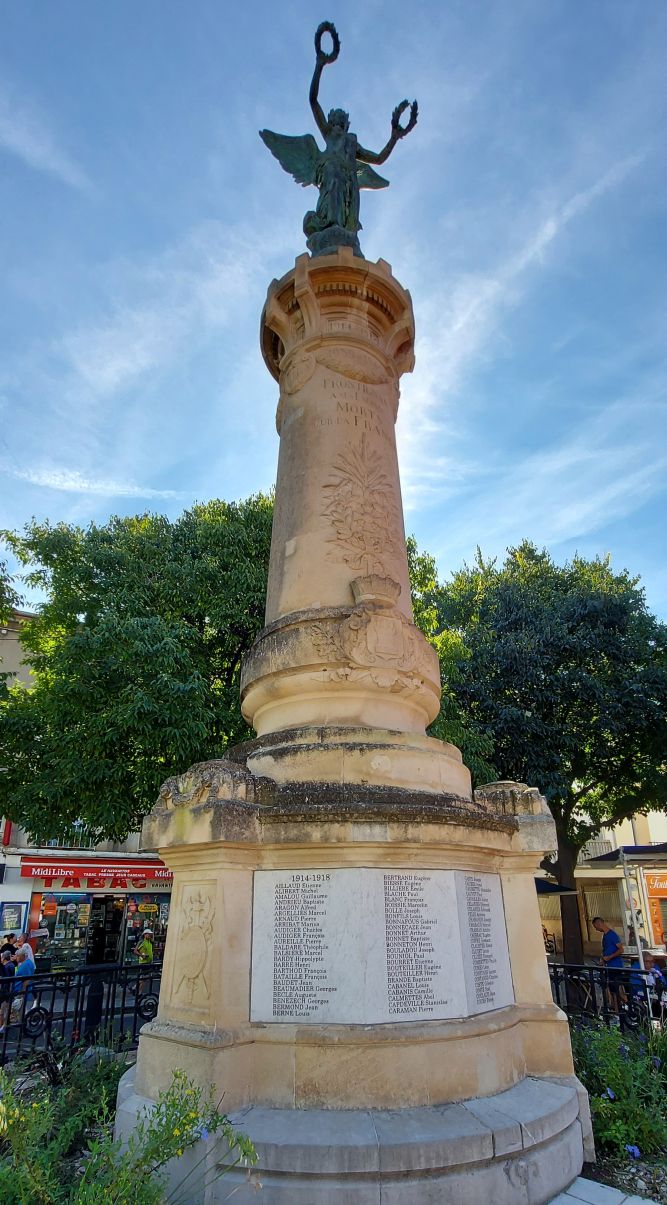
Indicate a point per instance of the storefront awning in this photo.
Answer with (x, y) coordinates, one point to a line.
(546, 887)
(645, 854)
(53, 867)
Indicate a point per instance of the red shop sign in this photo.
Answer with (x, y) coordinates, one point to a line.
(100, 873)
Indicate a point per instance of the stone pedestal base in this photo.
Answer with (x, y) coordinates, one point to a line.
(359, 972)
(518, 1147)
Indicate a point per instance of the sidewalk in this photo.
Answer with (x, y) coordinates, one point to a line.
(589, 1192)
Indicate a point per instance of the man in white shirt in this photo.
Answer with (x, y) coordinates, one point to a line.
(25, 947)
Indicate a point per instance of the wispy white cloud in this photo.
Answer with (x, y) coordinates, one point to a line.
(601, 473)
(461, 319)
(192, 289)
(164, 315)
(26, 134)
(108, 356)
(73, 482)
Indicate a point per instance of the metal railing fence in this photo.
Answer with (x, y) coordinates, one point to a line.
(625, 996)
(105, 1004)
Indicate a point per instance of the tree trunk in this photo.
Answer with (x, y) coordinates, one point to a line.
(573, 946)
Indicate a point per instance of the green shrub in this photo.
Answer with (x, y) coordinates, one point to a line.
(57, 1148)
(625, 1078)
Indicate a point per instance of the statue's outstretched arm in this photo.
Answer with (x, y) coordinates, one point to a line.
(321, 60)
(397, 132)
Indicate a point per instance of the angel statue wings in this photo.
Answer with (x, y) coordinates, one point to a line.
(341, 169)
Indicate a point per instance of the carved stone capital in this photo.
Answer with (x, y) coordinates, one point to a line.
(337, 664)
(352, 314)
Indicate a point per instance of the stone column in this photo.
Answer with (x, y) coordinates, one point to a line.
(339, 647)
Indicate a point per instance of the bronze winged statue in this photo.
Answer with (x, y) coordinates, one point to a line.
(341, 169)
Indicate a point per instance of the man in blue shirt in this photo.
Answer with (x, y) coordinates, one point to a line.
(25, 969)
(612, 950)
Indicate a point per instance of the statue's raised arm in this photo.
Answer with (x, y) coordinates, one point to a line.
(342, 168)
(397, 132)
(322, 58)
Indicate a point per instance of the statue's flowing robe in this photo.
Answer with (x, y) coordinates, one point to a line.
(336, 172)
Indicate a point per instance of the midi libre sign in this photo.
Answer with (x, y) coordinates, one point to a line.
(95, 873)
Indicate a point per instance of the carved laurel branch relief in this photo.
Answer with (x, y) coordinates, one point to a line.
(361, 507)
(194, 937)
(392, 680)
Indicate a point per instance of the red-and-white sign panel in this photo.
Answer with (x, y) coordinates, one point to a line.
(99, 873)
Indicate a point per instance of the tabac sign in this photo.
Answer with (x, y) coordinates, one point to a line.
(100, 872)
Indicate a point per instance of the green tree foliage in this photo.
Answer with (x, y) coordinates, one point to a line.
(453, 724)
(9, 598)
(136, 655)
(567, 669)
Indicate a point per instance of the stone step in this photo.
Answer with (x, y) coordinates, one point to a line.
(519, 1147)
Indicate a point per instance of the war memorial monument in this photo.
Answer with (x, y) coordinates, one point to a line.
(355, 956)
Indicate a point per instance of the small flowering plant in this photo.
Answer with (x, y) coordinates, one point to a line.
(25, 1127)
(57, 1147)
(625, 1080)
(183, 1116)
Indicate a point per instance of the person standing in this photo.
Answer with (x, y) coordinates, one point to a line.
(25, 969)
(612, 960)
(7, 970)
(649, 984)
(144, 953)
(24, 946)
(9, 944)
(97, 944)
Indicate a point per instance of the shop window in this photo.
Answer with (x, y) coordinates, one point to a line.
(64, 918)
(79, 928)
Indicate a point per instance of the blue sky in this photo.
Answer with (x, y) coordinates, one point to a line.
(143, 219)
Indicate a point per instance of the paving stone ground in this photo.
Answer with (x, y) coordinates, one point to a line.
(589, 1192)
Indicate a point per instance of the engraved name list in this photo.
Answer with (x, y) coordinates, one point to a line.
(365, 946)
